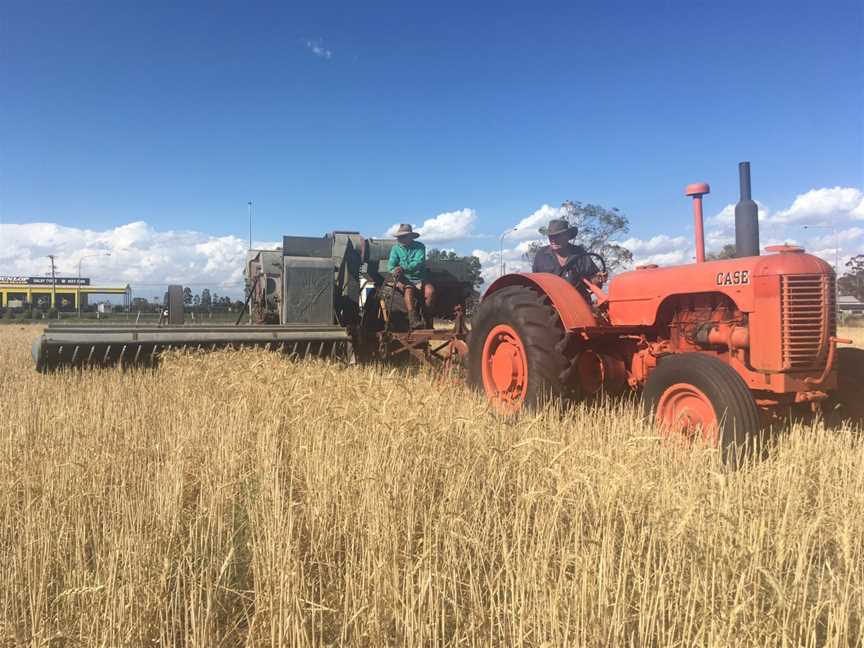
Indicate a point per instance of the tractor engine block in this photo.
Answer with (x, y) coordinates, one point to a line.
(706, 321)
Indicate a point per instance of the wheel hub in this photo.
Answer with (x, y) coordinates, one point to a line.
(686, 412)
(505, 367)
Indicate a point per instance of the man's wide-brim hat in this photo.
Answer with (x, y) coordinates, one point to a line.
(558, 226)
(406, 231)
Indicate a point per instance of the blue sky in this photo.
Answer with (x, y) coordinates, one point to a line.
(355, 115)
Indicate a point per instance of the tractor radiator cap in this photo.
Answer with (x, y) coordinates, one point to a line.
(785, 249)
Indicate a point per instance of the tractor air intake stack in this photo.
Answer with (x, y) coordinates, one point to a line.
(696, 191)
(746, 217)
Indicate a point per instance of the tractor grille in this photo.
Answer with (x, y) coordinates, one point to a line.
(808, 319)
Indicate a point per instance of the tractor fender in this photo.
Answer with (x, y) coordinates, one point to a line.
(571, 307)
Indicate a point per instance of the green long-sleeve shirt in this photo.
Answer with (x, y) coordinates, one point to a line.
(411, 258)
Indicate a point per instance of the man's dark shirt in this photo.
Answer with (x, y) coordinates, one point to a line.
(582, 267)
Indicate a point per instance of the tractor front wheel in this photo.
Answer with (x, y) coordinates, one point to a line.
(847, 403)
(694, 397)
(511, 349)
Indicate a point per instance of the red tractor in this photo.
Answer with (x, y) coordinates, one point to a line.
(717, 348)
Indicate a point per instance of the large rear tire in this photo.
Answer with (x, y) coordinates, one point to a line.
(692, 396)
(847, 403)
(512, 354)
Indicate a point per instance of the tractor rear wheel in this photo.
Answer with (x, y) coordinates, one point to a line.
(693, 396)
(511, 349)
(847, 403)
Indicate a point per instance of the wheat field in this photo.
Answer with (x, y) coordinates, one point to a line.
(239, 499)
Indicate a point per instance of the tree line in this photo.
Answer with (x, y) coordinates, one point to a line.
(203, 302)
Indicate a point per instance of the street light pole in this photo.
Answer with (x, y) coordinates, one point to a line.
(86, 256)
(249, 204)
(501, 250)
(250, 247)
(53, 283)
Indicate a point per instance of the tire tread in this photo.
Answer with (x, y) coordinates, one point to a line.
(730, 396)
(539, 327)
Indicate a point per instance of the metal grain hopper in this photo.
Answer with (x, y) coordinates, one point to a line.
(327, 280)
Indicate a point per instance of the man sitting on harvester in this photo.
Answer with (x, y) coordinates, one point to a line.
(563, 258)
(407, 263)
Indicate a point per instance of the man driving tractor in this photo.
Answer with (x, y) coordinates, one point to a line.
(407, 263)
(563, 258)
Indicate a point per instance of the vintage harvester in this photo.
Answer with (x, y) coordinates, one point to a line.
(717, 348)
(329, 296)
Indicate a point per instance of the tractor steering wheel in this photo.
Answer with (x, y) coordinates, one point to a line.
(601, 260)
(574, 258)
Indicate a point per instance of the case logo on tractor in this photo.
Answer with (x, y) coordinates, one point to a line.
(737, 278)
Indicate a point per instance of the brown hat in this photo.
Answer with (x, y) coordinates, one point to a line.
(558, 226)
(406, 231)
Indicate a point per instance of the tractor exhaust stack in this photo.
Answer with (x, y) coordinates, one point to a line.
(746, 217)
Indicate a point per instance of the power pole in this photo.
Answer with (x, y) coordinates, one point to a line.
(250, 247)
(501, 264)
(53, 284)
(250, 223)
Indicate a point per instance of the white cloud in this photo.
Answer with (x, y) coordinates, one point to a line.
(819, 206)
(513, 257)
(842, 206)
(448, 226)
(660, 250)
(318, 49)
(726, 216)
(674, 257)
(139, 254)
(142, 255)
(807, 222)
(843, 236)
(661, 243)
(528, 227)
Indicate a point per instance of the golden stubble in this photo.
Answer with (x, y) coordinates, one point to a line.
(239, 499)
